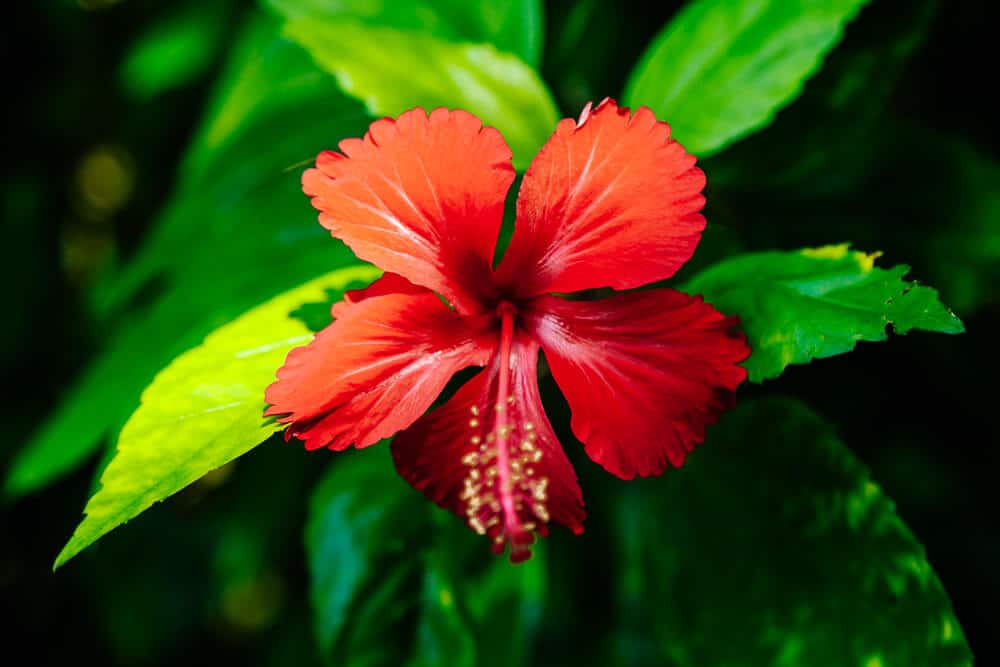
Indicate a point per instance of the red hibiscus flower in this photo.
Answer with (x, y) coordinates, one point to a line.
(610, 201)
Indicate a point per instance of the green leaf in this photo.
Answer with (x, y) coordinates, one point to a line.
(780, 551)
(272, 112)
(203, 410)
(849, 99)
(173, 51)
(818, 302)
(376, 65)
(364, 523)
(238, 214)
(443, 634)
(722, 68)
(384, 562)
(510, 25)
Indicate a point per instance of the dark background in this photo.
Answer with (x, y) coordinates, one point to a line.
(908, 162)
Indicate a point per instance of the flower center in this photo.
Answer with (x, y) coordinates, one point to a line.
(504, 495)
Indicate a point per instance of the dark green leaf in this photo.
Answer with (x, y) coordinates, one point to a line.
(203, 410)
(781, 551)
(443, 634)
(385, 563)
(238, 232)
(722, 68)
(272, 112)
(848, 99)
(818, 302)
(362, 542)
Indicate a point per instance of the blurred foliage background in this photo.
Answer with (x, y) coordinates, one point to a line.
(115, 125)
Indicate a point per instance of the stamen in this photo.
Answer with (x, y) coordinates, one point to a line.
(504, 496)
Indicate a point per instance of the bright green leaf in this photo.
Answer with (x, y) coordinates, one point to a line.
(722, 68)
(510, 25)
(815, 303)
(780, 551)
(174, 51)
(377, 65)
(203, 410)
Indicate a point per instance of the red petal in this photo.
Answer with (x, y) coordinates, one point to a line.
(449, 446)
(419, 196)
(389, 283)
(643, 373)
(375, 369)
(610, 201)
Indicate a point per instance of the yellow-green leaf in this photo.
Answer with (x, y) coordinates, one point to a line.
(203, 410)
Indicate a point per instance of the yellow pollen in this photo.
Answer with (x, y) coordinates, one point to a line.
(528, 426)
(474, 410)
(470, 459)
(475, 440)
(473, 422)
(498, 407)
(510, 400)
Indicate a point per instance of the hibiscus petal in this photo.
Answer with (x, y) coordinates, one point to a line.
(389, 283)
(644, 373)
(421, 196)
(375, 369)
(610, 201)
(449, 455)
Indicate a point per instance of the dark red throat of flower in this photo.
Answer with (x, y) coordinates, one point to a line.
(503, 493)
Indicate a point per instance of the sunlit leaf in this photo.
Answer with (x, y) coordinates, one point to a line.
(203, 410)
(510, 25)
(722, 68)
(818, 302)
(379, 66)
(781, 550)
